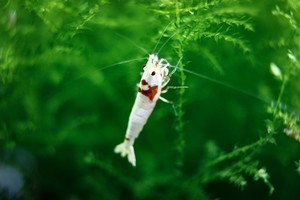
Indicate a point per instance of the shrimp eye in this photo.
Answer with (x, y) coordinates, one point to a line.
(153, 73)
(144, 65)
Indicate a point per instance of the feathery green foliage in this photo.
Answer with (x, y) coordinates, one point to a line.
(68, 74)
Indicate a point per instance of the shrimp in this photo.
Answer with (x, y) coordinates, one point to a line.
(155, 77)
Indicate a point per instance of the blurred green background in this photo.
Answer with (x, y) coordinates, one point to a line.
(66, 93)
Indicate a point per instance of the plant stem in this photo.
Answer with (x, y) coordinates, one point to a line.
(179, 118)
(282, 88)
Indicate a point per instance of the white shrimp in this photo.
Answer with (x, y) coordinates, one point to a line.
(155, 77)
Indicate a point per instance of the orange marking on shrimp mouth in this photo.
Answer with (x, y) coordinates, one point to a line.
(150, 93)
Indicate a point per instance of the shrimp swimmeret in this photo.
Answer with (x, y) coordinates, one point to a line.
(155, 77)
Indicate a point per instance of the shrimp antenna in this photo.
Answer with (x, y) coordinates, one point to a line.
(109, 66)
(248, 93)
(166, 42)
(245, 92)
(175, 67)
(165, 29)
(68, 82)
(132, 42)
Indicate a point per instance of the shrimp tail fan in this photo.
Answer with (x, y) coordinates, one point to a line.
(126, 150)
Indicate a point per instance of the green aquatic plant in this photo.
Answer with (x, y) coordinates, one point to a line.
(68, 74)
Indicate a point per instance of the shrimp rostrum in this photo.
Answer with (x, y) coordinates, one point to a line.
(155, 77)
